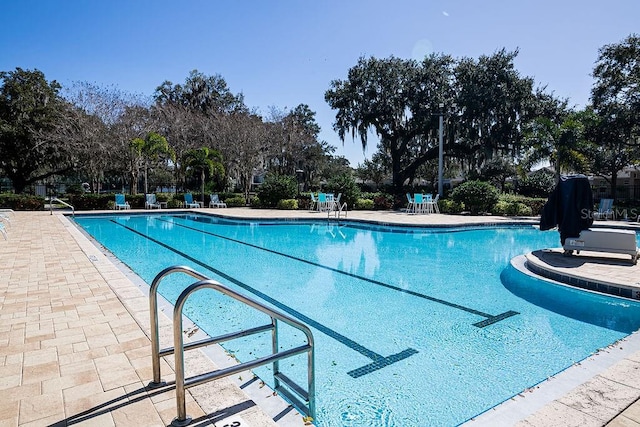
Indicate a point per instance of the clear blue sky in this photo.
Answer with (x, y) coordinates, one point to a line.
(286, 52)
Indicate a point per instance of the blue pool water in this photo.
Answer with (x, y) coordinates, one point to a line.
(457, 329)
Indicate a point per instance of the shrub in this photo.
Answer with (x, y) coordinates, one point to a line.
(137, 201)
(449, 206)
(346, 185)
(288, 204)
(534, 205)
(235, 202)
(511, 208)
(304, 201)
(501, 207)
(163, 197)
(275, 188)
(75, 189)
(172, 202)
(524, 210)
(382, 202)
(364, 205)
(21, 202)
(91, 201)
(477, 196)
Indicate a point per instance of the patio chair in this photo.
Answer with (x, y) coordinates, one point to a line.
(336, 202)
(322, 203)
(188, 201)
(418, 203)
(331, 202)
(605, 210)
(3, 231)
(313, 205)
(121, 203)
(4, 217)
(410, 205)
(427, 199)
(151, 202)
(216, 202)
(433, 204)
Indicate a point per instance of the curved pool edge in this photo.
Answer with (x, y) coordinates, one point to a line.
(609, 275)
(595, 390)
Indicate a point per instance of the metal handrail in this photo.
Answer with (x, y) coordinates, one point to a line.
(181, 383)
(51, 199)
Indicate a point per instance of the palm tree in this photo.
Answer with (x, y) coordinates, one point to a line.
(148, 151)
(560, 144)
(203, 160)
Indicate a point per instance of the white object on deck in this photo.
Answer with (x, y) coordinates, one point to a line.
(604, 240)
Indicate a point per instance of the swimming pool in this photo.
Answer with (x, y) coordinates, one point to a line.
(412, 326)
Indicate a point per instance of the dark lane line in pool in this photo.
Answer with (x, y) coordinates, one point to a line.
(379, 361)
(489, 318)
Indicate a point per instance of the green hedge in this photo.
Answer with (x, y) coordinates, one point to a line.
(514, 204)
(21, 202)
(235, 202)
(89, 201)
(288, 204)
(364, 205)
(448, 206)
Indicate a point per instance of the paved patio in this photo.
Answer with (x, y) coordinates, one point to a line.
(74, 328)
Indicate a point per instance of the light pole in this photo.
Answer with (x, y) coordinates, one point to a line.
(299, 173)
(440, 150)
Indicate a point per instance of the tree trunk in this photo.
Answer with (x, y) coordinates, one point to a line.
(19, 183)
(247, 187)
(134, 183)
(202, 176)
(146, 188)
(396, 174)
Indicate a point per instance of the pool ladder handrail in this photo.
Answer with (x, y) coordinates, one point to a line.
(52, 199)
(303, 400)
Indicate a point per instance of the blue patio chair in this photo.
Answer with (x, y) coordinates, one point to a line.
(418, 203)
(151, 202)
(188, 201)
(216, 202)
(605, 210)
(4, 217)
(121, 203)
(3, 231)
(427, 199)
(322, 202)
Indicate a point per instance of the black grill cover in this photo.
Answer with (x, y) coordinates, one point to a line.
(569, 207)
